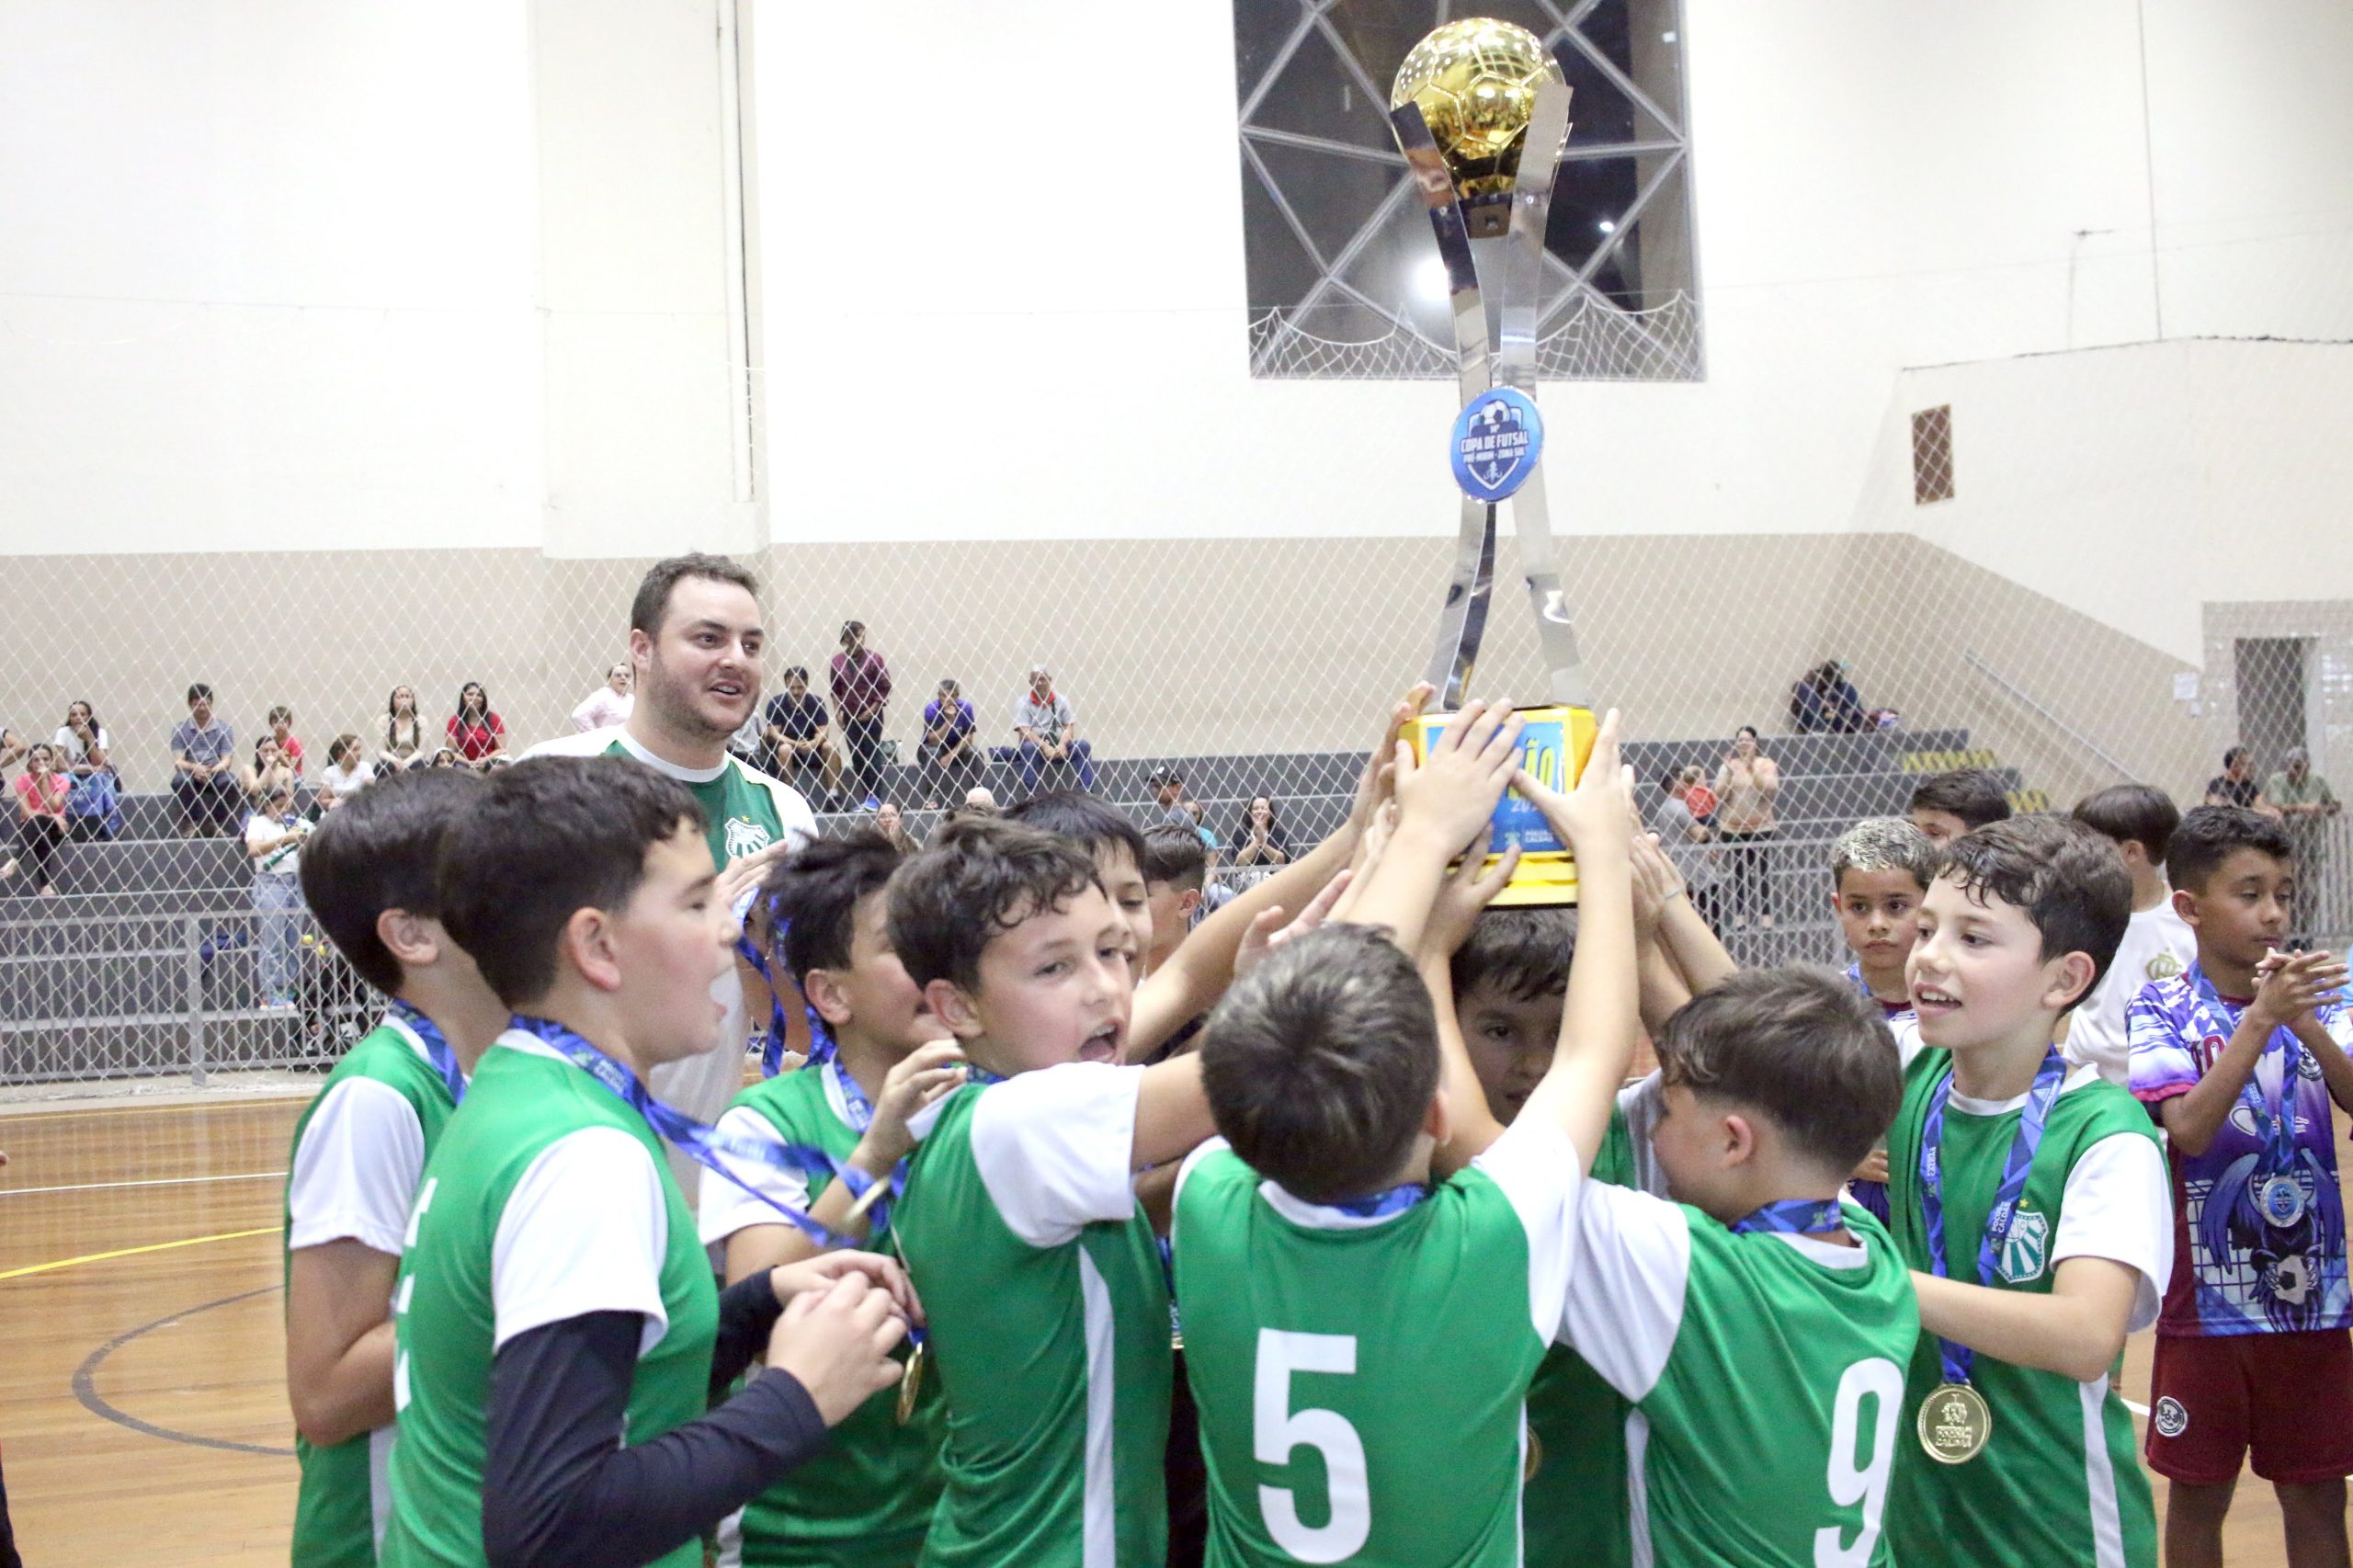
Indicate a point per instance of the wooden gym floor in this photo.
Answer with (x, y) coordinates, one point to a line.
(142, 1403)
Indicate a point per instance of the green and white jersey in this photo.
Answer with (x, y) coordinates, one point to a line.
(358, 1151)
(1328, 1350)
(1766, 1372)
(1573, 1509)
(864, 1500)
(2060, 1481)
(546, 1198)
(747, 811)
(1049, 1322)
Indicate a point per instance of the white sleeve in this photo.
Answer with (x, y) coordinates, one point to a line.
(1056, 1148)
(726, 1208)
(1177, 1193)
(2118, 1205)
(585, 1231)
(1625, 1303)
(356, 1173)
(1536, 1166)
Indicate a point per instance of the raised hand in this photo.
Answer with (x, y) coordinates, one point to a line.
(2290, 985)
(1375, 782)
(926, 1074)
(1464, 896)
(1271, 927)
(1454, 791)
(1597, 815)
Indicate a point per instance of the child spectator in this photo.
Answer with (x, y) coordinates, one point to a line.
(2030, 1200)
(947, 752)
(2240, 1058)
(558, 1339)
(1049, 1310)
(274, 843)
(474, 731)
(2157, 944)
(1946, 805)
(345, 772)
(865, 1501)
(1175, 868)
(400, 740)
(281, 729)
(609, 704)
(42, 794)
(361, 1146)
(204, 768)
(1697, 796)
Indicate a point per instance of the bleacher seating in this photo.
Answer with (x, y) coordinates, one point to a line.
(144, 962)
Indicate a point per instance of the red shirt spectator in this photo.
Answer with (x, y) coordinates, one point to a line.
(476, 733)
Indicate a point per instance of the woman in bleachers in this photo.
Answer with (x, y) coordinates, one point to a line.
(400, 741)
(476, 732)
(1258, 839)
(94, 809)
(269, 771)
(1745, 787)
(42, 792)
(345, 773)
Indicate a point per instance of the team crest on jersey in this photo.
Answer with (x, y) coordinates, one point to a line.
(2026, 1251)
(744, 837)
(2165, 966)
(2169, 1418)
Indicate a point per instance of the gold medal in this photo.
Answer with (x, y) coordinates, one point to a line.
(1955, 1424)
(911, 1383)
(1534, 1460)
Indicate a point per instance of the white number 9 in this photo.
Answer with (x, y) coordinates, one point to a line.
(1277, 1429)
(1851, 1483)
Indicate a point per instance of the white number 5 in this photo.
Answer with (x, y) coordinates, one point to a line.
(1852, 1482)
(1277, 1429)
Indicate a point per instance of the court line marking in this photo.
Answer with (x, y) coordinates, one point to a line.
(158, 1181)
(256, 1102)
(134, 1252)
(86, 1380)
(2140, 1410)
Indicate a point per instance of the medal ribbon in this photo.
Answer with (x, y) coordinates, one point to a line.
(437, 1048)
(2274, 1119)
(705, 1145)
(1381, 1205)
(2015, 1169)
(1793, 1217)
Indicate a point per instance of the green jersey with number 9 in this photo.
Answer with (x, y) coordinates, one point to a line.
(1333, 1354)
(1767, 1375)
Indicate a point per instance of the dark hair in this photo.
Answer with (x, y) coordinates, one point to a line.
(1321, 1063)
(474, 686)
(2139, 813)
(380, 850)
(980, 878)
(199, 689)
(948, 684)
(1085, 819)
(548, 837)
(653, 590)
(850, 626)
(1522, 953)
(1799, 1044)
(2235, 754)
(2209, 835)
(812, 896)
(1750, 731)
(392, 701)
(1973, 794)
(1175, 854)
(797, 671)
(83, 703)
(339, 749)
(279, 711)
(2070, 882)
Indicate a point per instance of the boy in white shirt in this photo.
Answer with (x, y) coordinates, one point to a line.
(2158, 944)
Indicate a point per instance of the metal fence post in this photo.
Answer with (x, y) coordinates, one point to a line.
(193, 981)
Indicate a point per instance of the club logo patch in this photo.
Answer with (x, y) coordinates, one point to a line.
(745, 837)
(2026, 1251)
(2169, 1418)
(2165, 966)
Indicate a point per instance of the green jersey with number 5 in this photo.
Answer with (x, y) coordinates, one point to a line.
(1334, 1353)
(1767, 1375)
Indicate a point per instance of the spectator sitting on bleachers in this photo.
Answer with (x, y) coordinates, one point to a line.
(1168, 794)
(609, 704)
(274, 843)
(947, 752)
(1047, 728)
(1259, 837)
(12, 746)
(1824, 702)
(399, 742)
(345, 772)
(281, 729)
(40, 791)
(447, 757)
(84, 751)
(891, 824)
(797, 736)
(477, 731)
(268, 770)
(204, 768)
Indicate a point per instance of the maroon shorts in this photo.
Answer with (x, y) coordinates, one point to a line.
(2288, 1397)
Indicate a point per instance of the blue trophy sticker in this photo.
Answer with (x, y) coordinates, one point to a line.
(1497, 439)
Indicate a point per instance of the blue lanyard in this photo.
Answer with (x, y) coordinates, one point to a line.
(2015, 1169)
(705, 1145)
(1855, 978)
(437, 1048)
(2274, 1116)
(1793, 1217)
(1381, 1205)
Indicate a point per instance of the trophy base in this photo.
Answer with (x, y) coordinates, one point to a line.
(1554, 744)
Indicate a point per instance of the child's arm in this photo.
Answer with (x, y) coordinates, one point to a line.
(1472, 1126)
(1172, 1112)
(2336, 1068)
(1599, 1021)
(1201, 968)
(2076, 1330)
(2288, 990)
(338, 1340)
(1442, 804)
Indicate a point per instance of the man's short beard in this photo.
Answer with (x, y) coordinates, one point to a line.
(674, 708)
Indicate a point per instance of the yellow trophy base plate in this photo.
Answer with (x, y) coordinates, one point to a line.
(1555, 742)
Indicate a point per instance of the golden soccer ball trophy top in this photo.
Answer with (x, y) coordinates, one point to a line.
(1475, 82)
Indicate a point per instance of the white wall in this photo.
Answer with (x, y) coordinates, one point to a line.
(1879, 186)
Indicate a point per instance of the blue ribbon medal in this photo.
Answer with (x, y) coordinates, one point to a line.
(1955, 1422)
(436, 1047)
(2278, 1197)
(1793, 1217)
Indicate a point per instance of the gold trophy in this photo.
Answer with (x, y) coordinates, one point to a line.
(1481, 111)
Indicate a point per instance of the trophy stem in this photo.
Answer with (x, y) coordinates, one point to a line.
(1462, 619)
